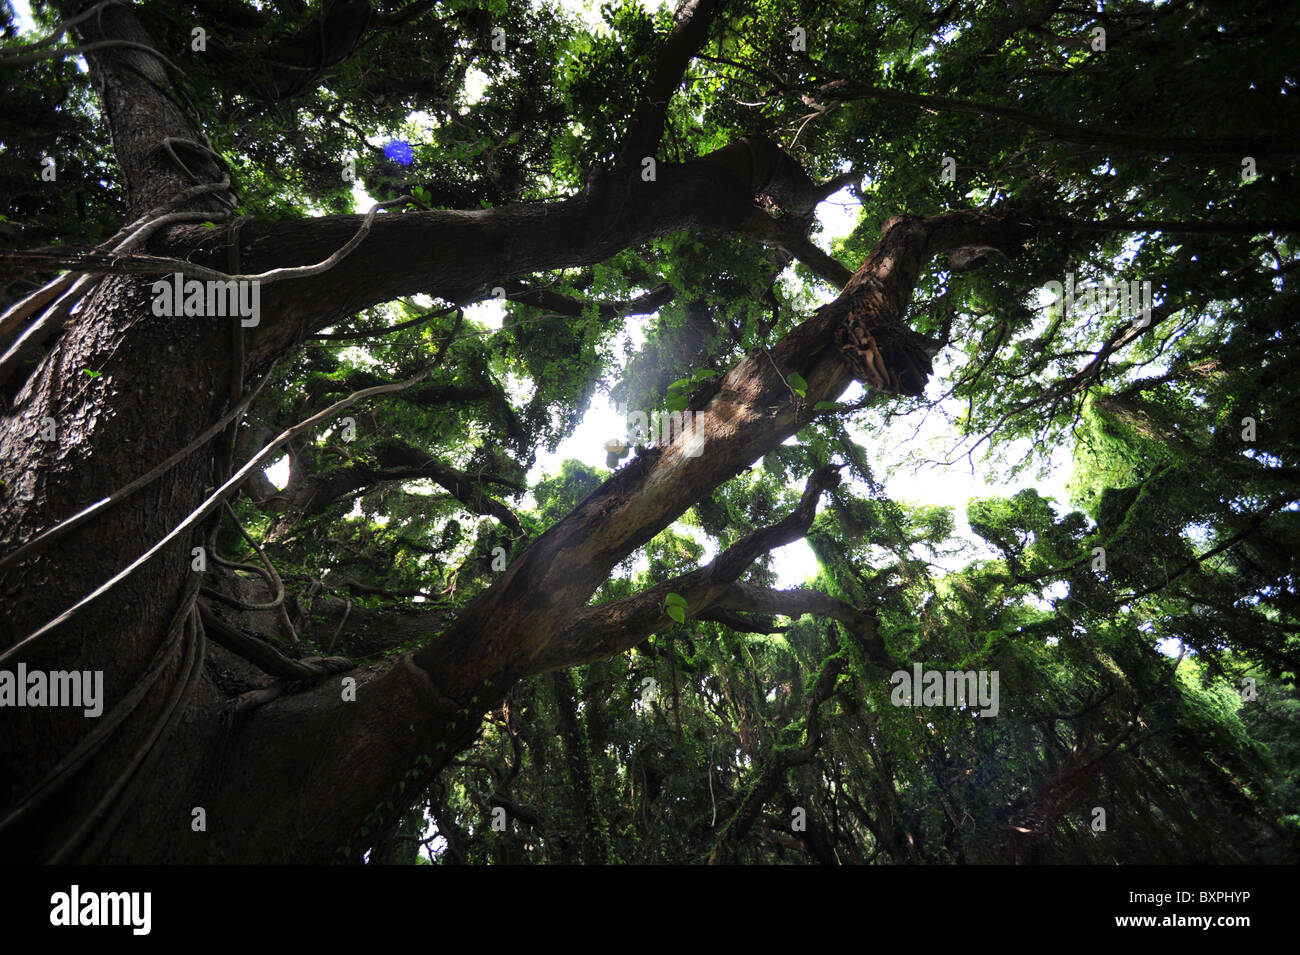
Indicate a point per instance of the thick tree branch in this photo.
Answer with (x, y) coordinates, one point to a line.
(690, 32)
(791, 237)
(740, 622)
(1231, 146)
(522, 622)
(567, 305)
(796, 603)
(606, 629)
(266, 657)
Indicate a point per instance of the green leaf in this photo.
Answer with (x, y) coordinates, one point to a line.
(677, 613)
(674, 600)
(797, 384)
(92, 374)
(678, 402)
(681, 384)
(703, 374)
(826, 406)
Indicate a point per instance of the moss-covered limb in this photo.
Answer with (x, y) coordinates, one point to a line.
(860, 623)
(779, 760)
(577, 758)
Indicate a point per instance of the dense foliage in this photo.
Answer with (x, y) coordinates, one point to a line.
(752, 735)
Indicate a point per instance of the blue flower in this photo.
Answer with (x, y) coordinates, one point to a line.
(399, 151)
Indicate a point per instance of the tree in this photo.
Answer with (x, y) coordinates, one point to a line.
(644, 703)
